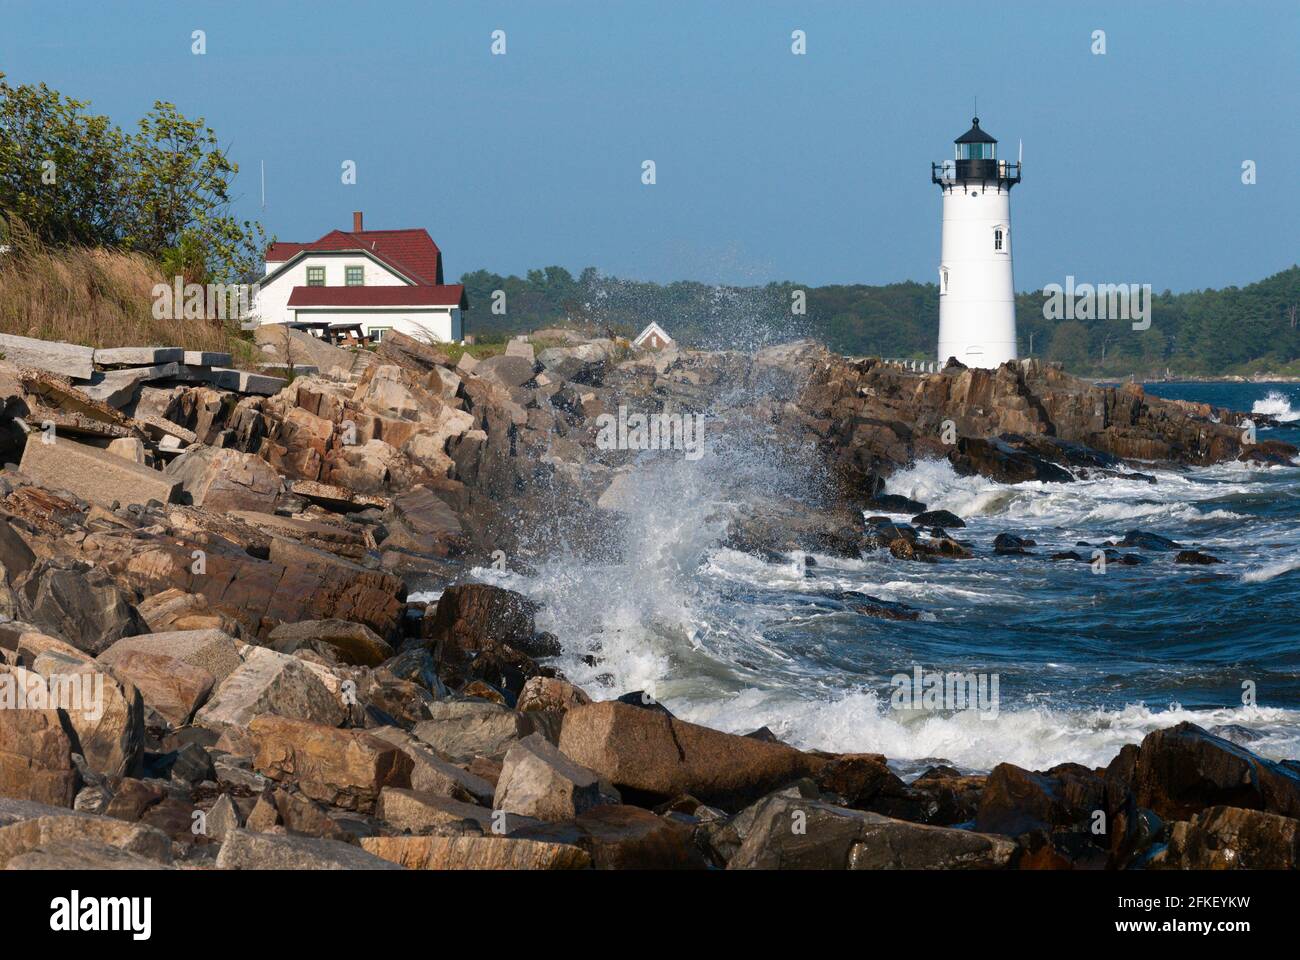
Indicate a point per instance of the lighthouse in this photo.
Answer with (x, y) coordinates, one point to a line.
(977, 300)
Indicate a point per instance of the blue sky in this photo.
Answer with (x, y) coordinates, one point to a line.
(770, 166)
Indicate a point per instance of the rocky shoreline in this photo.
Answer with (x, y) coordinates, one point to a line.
(230, 558)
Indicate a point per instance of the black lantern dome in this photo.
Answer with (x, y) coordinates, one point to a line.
(975, 162)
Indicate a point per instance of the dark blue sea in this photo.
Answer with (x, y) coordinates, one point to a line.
(1085, 662)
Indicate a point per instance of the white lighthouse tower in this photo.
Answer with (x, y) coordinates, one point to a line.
(977, 305)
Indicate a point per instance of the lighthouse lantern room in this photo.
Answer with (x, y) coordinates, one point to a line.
(977, 305)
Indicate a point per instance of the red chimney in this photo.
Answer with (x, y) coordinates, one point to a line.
(356, 222)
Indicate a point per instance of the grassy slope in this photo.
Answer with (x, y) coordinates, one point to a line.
(100, 298)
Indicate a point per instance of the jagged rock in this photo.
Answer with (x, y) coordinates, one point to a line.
(508, 371)
(433, 775)
(427, 813)
(222, 818)
(27, 835)
(80, 855)
(174, 610)
(1230, 838)
(481, 632)
(1008, 544)
(550, 694)
(248, 850)
(110, 728)
(419, 522)
(464, 729)
(621, 837)
(797, 833)
(223, 479)
(16, 557)
(774, 527)
(938, 518)
(870, 606)
(1182, 770)
(405, 702)
(172, 687)
(894, 503)
(416, 665)
(264, 816)
(132, 797)
(270, 683)
(538, 781)
(477, 853)
(1196, 558)
(355, 643)
(344, 768)
(83, 605)
(856, 778)
(1146, 541)
(35, 754)
(651, 753)
(1017, 801)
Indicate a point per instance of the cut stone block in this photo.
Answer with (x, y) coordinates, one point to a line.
(240, 381)
(206, 358)
(94, 474)
(118, 388)
(138, 356)
(210, 650)
(67, 359)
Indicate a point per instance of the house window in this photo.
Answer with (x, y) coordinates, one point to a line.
(315, 276)
(377, 334)
(355, 277)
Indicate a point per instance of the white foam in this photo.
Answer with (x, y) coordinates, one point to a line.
(1278, 406)
(1035, 738)
(1271, 570)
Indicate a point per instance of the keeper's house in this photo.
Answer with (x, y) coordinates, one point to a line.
(381, 279)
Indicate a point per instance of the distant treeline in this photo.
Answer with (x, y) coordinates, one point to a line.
(1205, 332)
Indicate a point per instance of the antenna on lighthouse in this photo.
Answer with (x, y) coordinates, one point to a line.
(1020, 161)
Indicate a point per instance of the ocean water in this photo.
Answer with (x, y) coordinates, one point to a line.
(1085, 662)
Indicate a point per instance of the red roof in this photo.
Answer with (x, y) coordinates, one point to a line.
(280, 252)
(410, 252)
(421, 295)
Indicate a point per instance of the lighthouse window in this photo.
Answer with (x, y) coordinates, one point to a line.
(945, 281)
(997, 239)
